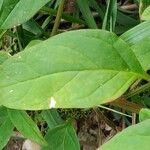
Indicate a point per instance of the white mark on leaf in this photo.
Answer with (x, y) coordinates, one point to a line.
(52, 103)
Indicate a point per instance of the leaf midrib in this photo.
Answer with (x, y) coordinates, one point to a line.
(43, 76)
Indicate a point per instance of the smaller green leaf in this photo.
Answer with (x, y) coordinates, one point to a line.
(26, 125)
(18, 11)
(62, 137)
(6, 129)
(52, 118)
(144, 114)
(134, 137)
(146, 14)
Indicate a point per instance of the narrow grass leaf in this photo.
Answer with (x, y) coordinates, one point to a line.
(86, 12)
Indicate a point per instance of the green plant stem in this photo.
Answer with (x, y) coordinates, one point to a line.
(58, 18)
(139, 90)
(115, 111)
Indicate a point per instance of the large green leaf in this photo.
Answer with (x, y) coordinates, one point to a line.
(26, 126)
(62, 137)
(14, 12)
(134, 137)
(78, 69)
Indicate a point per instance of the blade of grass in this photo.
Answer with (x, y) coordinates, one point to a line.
(86, 12)
(110, 15)
(33, 27)
(115, 111)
